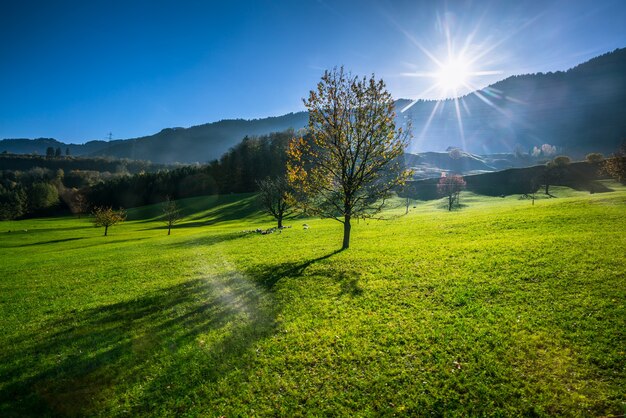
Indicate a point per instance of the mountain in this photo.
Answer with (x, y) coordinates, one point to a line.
(432, 164)
(578, 111)
(200, 143)
(39, 146)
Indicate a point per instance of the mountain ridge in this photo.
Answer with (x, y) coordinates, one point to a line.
(579, 110)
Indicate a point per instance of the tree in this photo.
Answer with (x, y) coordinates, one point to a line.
(80, 204)
(41, 196)
(171, 214)
(57, 152)
(615, 166)
(451, 186)
(13, 202)
(49, 152)
(349, 162)
(554, 170)
(75, 200)
(106, 217)
(274, 196)
(67, 151)
(594, 157)
(532, 186)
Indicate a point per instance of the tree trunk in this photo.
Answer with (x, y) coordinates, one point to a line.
(450, 201)
(169, 228)
(346, 232)
(280, 221)
(407, 206)
(106, 228)
(547, 188)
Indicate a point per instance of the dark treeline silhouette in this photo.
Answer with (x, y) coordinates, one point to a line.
(578, 176)
(25, 162)
(236, 171)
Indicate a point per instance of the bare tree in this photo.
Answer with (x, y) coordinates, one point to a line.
(532, 187)
(106, 217)
(171, 214)
(274, 195)
(451, 187)
(350, 162)
(80, 204)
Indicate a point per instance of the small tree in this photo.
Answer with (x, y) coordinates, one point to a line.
(274, 195)
(80, 204)
(615, 166)
(42, 196)
(594, 157)
(57, 152)
(350, 163)
(554, 170)
(49, 152)
(107, 217)
(451, 186)
(171, 214)
(532, 186)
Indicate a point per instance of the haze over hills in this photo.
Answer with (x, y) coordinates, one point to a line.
(579, 111)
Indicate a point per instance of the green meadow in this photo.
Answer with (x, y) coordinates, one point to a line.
(498, 308)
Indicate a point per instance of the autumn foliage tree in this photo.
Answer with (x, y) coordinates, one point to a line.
(106, 217)
(351, 158)
(451, 187)
(615, 166)
(274, 196)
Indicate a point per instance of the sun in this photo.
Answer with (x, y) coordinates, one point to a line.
(453, 75)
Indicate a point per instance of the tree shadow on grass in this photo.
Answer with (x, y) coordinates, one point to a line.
(269, 275)
(208, 240)
(54, 241)
(157, 349)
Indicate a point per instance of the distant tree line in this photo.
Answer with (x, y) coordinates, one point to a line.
(524, 181)
(25, 162)
(35, 191)
(35, 185)
(237, 171)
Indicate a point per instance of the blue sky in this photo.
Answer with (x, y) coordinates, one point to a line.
(78, 70)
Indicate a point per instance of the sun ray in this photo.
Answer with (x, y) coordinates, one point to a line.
(460, 121)
(428, 90)
(430, 118)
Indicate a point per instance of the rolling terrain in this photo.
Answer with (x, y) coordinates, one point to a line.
(500, 308)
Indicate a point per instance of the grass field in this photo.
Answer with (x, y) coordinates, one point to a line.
(500, 308)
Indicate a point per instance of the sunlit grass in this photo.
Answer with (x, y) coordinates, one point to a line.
(496, 308)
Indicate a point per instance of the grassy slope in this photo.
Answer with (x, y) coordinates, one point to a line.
(501, 308)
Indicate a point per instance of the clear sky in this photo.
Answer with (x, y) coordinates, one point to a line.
(77, 70)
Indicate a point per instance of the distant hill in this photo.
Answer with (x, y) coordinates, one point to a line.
(201, 143)
(578, 175)
(579, 110)
(39, 146)
(432, 164)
